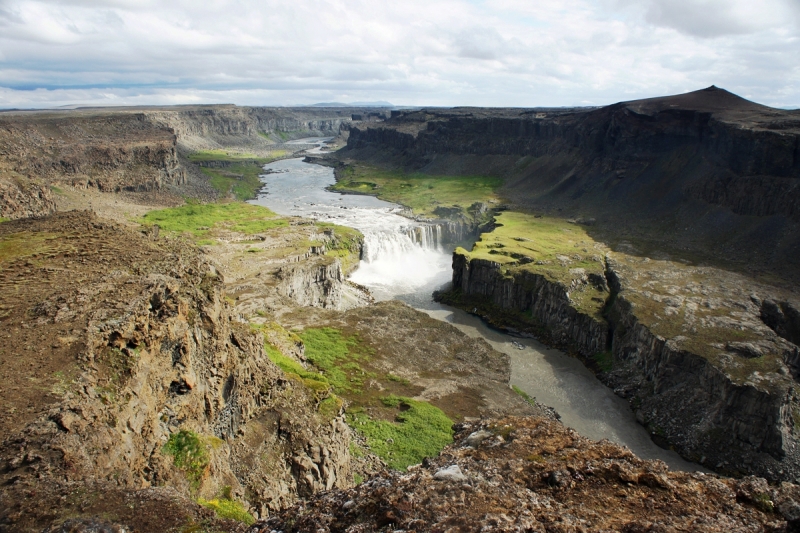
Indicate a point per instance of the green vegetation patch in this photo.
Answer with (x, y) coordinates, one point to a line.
(400, 430)
(190, 453)
(226, 508)
(239, 177)
(3, 219)
(336, 356)
(201, 219)
(314, 381)
(27, 244)
(420, 430)
(423, 193)
(525, 396)
(228, 156)
(345, 245)
(604, 360)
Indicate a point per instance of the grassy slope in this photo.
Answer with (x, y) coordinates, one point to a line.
(398, 429)
(423, 193)
(241, 179)
(201, 220)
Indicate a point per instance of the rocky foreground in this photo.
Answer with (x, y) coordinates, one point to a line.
(533, 474)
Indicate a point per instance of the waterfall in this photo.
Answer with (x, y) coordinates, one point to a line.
(393, 244)
(402, 260)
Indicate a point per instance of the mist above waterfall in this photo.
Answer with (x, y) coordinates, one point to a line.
(406, 261)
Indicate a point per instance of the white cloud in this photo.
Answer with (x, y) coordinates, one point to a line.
(418, 52)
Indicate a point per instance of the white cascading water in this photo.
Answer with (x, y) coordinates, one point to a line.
(400, 262)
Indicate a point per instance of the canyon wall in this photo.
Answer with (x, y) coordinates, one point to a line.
(138, 149)
(705, 170)
(706, 408)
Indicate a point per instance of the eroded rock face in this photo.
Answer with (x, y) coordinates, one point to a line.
(109, 152)
(547, 303)
(534, 474)
(147, 346)
(21, 198)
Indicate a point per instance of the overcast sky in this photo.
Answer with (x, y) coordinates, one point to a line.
(408, 52)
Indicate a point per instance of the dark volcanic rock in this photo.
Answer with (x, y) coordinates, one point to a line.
(708, 170)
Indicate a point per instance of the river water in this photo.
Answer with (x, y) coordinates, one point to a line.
(404, 260)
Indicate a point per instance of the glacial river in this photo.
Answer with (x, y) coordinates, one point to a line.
(404, 260)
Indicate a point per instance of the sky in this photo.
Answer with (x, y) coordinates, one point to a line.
(512, 53)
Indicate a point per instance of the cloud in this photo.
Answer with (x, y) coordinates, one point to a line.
(416, 52)
(714, 18)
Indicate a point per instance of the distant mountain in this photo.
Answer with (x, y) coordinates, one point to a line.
(379, 103)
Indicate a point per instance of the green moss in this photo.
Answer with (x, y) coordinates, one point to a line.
(311, 380)
(421, 192)
(330, 407)
(525, 396)
(201, 219)
(420, 430)
(356, 450)
(190, 454)
(358, 479)
(26, 244)
(226, 508)
(3, 219)
(397, 379)
(335, 355)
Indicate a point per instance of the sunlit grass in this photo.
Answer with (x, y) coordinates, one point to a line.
(423, 193)
(201, 219)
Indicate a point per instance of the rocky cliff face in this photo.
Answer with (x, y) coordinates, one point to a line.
(21, 198)
(151, 350)
(542, 301)
(111, 152)
(722, 397)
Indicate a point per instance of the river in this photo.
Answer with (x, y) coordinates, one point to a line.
(404, 260)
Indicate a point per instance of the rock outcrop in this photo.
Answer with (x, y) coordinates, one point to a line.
(21, 198)
(137, 344)
(533, 474)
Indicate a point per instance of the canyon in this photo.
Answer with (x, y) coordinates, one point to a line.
(654, 240)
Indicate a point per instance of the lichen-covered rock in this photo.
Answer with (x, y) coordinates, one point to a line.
(534, 474)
